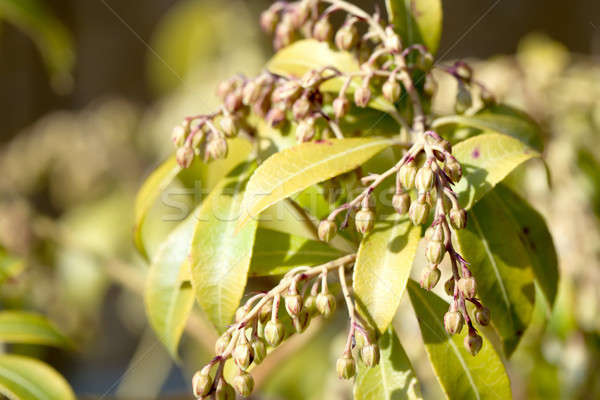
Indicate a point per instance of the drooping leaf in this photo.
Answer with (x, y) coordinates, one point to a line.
(500, 119)
(417, 21)
(486, 160)
(537, 241)
(392, 379)
(168, 295)
(220, 256)
(10, 266)
(461, 375)
(305, 55)
(30, 328)
(24, 378)
(382, 269)
(501, 266)
(301, 166)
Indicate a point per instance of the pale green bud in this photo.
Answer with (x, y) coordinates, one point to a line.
(370, 354)
(430, 86)
(408, 172)
(424, 179)
(243, 383)
(391, 89)
(202, 382)
(222, 343)
(301, 321)
(242, 353)
(326, 304)
(341, 105)
(425, 61)
(322, 30)
(453, 322)
(224, 390)
(362, 96)
(184, 156)
(293, 304)
(435, 252)
(449, 287)
(453, 169)
(310, 305)
(431, 277)
(391, 40)
(345, 367)
(228, 126)
(401, 202)
(327, 230)
(346, 37)
(468, 287)
(364, 220)
(483, 316)
(418, 212)
(259, 350)
(274, 333)
(216, 148)
(473, 343)
(458, 218)
(265, 312)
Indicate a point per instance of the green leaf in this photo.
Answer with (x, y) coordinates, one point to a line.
(10, 266)
(220, 256)
(24, 378)
(392, 379)
(499, 119)
(537, 240)
(461, 375)
(501, 265)
(49, 35)
(275, 253)
(382, 269)
(417, 21)
(305, 55)
(30, 328)
(168, 295)
(486, 160)
(301, 166)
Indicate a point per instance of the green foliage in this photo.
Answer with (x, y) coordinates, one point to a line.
(10, 266)
(29, 328)
(417, 21)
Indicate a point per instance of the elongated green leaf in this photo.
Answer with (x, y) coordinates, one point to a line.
(500, 119)
(275, 253)
(220, 256)
(536, 238)
(461, 375)
(486, 160)
(10, 266)
(392, 379)
(417, 21)
(168, 296)
(382, 269)
(24, 378)
(501, 265)
(30, 328)
(305, 55)
(301, 166)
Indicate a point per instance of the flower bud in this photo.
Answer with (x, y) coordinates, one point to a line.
(179, 135)
(265, 312)
(233, 101)
(401, 202)
(242, 354)
(418, 212)
(301, 321)
(224, 390)
(408, 172)
(301, 108)
(310, 305)
(362, 96)
(473, 343)
(483, 316)
(184, 156)
(435, 252)
(468, 287)
(284, 33)
(346, 37)
(391, 89)
(364, 220)
(259, 350)
(464, 100)
(274, 333)
(424, 179)
(370, 355)
(430, 85)
(268, 20)
(288, 91)
(251, 92)
(326, 304)
(202, 382)
(327, 230)
(243, 383)
(222, 343)
(228, 125)
(226, 87)
(293, 304)
(322, 30)
(341, 105)
(431, 277)
(449, 287)
(425, 61)
(345, 367)
(305, 131)
(453, 169)
(391, 40)
(275, 116)
(453, 322)
(216, 148)
(458, 218)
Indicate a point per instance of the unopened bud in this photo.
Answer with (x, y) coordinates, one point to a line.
(240, 313)
(345, 367)
(473, 343)
(468, 287)
(242, 354)
(430, 85)
(408, 172)
(243, 383)
(341, 105)
(435, 252)
(184, 156)
(226, 87)
(458, 218)
(364, 220)
(301, 108)
(233, 101)
(362, 96)
(453, 169)
(201, 382)
(453, 322)
(305, 131)
(216, 148)
(346, 37)
(293, 304)
(370, 354)
(311, 79)
(274, 333)
(265, 312)
(401, 202)
(179, 135)
(326, 304)
(222, 343)
(275, 116)
(301, 321)
(250, 93)
(310, 305)
(322, 30)
(424, 179)
(431, 277)
(259, 350)
(483, 316)
(224, 390)
(464, 100)
(425, 61)
(392, 41)
(288, 91)
(327, 230)
(391, 89)
(449, 287)
(418, 212)
(228, 126)
(268, 20)
(284, 33)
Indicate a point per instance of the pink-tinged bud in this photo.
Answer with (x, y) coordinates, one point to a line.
(418, 212)
(287, 91)
(362, 96)
(226, 87)
(243, 383)
(322, 30)
(327, 230)
(293, 304)
(346, 37)
(274, 333)
(392, 41)
(251, 92)
(424, 179)
(453, 169)
(233, 101)
(341, 105)
(301, 108)
(453, 322)
(401, 202)
(483, 316)
(458, 218)
(268, 20)
(325, 304)
(275, 116)
(216, 148)
(179, 135)
(228, 125)
(364, 220)
(284, 33)
(345, 367)
(222, 343)
(242, 353)
(184, 156)
(468, 287)
(408, 172)
(311, 79)
(370, 355)
(473, 343)
(435, 252)
(202, 382)
(431, 277)
(391, 90)
(306, 131)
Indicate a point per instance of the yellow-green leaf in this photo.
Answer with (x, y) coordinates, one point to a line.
(392, 379)
(461, 375)
(382, 269)
(486, 160)
(502, 267)
(30, 328)
(220, 256)
(168, 296)
(10, 266)
(305, 55)
(301, 166)
(417, 21)
(24, 378)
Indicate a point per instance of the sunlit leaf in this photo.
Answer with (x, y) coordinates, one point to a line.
(461, 375)
(10, 266)
(417, 21)
(220, 256)
(30, 328)
(382, 269)
(392, 379)
(24, 378)
(501, 265)
(301, 166)
(486, 160)
(500, 119)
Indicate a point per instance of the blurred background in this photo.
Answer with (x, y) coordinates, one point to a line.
(89, 93)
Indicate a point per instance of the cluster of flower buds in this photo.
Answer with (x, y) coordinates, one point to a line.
(463, 74)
